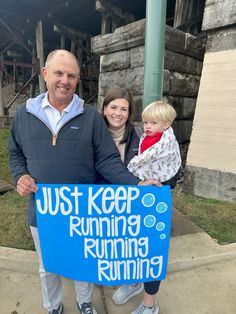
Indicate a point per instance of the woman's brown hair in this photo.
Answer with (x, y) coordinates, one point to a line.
(114, 93)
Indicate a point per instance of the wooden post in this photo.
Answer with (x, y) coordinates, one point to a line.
(89, 67)
(32, 84)
(114, 25)
(73, 47)
(63, 41)
(112, 16)
(40, 54)
(106, 25)
(181, 8)
(14, 70)
(80, 59)
(1, 96)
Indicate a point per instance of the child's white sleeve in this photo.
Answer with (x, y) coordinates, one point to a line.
(146, 157)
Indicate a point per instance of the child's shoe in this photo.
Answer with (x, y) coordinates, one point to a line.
(143, 309)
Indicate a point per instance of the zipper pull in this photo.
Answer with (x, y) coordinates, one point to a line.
(54, 140)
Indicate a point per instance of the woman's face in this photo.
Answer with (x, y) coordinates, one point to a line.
(117, 113)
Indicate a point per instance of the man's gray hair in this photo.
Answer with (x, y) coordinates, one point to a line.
(52, 54)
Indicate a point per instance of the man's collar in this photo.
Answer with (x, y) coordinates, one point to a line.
(46, 103)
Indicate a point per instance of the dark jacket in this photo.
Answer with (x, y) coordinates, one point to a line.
(131, 149)
(132, 144)
(82, 148)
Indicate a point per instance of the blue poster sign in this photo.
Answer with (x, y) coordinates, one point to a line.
(105, 234)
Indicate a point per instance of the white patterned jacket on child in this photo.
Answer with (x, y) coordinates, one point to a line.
(161, 161)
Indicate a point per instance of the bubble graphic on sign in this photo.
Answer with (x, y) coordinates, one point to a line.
(162, 236)
(148, 200)
(161, 207)
(149, 221)
(160, 226)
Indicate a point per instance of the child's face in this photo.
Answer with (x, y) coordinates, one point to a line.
(150, 127)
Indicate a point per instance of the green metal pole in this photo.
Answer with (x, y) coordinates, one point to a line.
(154, 50)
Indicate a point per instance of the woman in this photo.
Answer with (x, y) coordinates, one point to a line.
(118, 111)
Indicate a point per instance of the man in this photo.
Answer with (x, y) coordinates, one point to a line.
(55, 138)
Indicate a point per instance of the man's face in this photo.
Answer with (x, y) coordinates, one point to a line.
(61, 76)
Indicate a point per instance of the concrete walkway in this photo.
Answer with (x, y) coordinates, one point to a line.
(201, 279)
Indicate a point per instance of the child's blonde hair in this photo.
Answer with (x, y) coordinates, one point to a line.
(161, 110)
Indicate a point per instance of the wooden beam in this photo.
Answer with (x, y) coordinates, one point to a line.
(32, 84)
(8, 28)
(63, 41)
(103, 5)
(114, 25)
(105, 25)
(13, 54)
(40, 54)
(19, 93)
(16, 37)
(7, 47)
(80, 59)
(188, 15)
(73, 35)
(73, 47)
(1, 96)
(181, 12)
(99, 7)
(70, 32)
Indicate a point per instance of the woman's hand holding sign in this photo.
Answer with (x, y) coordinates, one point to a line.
(150, 182)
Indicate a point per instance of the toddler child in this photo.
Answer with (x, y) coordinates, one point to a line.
(159, 155)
